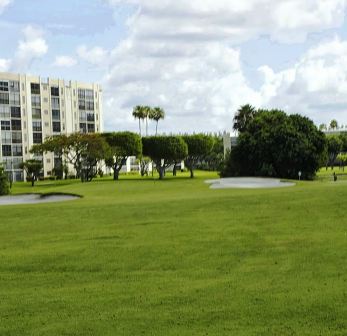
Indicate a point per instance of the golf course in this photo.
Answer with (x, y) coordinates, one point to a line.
(141, 256)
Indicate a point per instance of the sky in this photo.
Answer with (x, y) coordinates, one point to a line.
(199, 60)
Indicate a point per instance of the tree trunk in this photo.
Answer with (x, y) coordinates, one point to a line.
(140, 126)
(146, 126)
(161, 173)
(115, 174)
(32, 180)
(191, 173)
(156, 129)
(174, 170)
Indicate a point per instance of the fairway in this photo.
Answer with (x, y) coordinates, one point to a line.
(173, 257)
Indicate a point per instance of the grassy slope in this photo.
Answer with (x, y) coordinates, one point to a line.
(175, 258)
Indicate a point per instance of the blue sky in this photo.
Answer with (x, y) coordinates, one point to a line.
(199, 60)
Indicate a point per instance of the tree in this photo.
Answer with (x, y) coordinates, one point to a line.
(199, 147)
(334, 147)
(342, 157)
(333, 124)
(322, 127)
(138, 113)
(156, 114)
(33, 169)
(277, 145)
(4, 182)
(122, 145)
(243, 116)
(164, 151)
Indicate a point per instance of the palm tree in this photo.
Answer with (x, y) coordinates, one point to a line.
(138, 113)
(243, 116)
(146, 114)
(334, 125)
(157, 114)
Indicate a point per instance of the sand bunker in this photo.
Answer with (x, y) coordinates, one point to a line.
(35, 198)
(248, 183)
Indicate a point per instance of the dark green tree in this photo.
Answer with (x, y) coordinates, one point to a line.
(275, 144)
(33, 169)
(164, 151)
(122, 145)
(199, 147)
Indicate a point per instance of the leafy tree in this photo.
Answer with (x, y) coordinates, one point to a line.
(199, 147)
(274, 144)
(164, 151)
(342, 157)
(334, 147)
(343, 138)
(243, 116)
(122, 145)
(4, 182)
(156, 114)
(33, 169)
(334, 124)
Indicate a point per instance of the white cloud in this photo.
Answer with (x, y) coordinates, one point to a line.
(4, 4)
(5, 64)
(316, 85)
(64, 61)
(33, 46)
(95, 55)
(184, 56)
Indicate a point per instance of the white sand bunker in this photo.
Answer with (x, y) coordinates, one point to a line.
(35, 198)
(248, 183)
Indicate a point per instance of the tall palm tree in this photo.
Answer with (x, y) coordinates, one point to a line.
(243, 116)
(138, 113)
(146, 114)
(157, 114)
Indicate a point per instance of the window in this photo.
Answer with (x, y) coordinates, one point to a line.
(83, 128)
(35, 88)
(55, 103)
(23, 99)
(35, 101)
(14, 98)
(89, 94)
(45, 100)
(62, 91)
(4, 112)
(23, 87)
(6, 150)
(3, 86)
(91, 128)
(37, 126)
(16, 163)
(46, 124)
(45, 87)
(4, 98)
(81, 104)
(37, 138)
(36, 113)
(17, 150)
(55, 114)
(90, 105)
(14, 86)
(90, 117)
(74, 92)
(96, 95)
(16, 137)
(46, 112)
(5, 125)
(55, 91)
(56, 126)
(16, 125)
(81, 94)
(15, 112)
(83, 116)
(6, 138)
(97, 117)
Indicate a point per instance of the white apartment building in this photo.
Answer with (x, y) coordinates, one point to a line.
(32, 108)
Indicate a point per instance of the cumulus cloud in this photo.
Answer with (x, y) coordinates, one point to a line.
(64, 61)
(184, 56)
(316, 85)
(4, 4)
(95, 55)
(31, 47)
(5, 64)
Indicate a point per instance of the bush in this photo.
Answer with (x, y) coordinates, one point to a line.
(4, 183)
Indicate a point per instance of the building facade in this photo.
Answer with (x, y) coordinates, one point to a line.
(33, 108)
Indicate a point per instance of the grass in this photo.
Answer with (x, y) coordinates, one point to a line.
(172, 257)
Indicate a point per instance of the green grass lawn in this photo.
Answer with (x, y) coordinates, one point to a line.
(172, 257)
